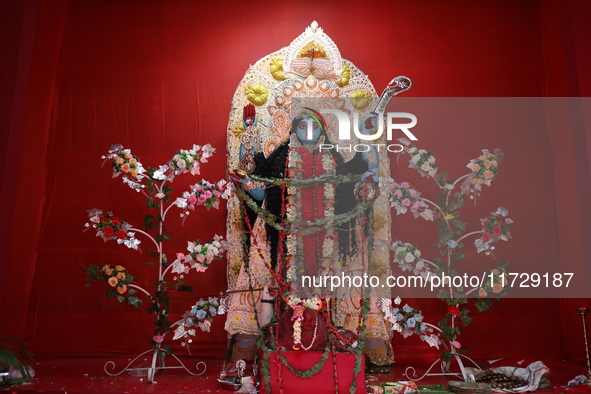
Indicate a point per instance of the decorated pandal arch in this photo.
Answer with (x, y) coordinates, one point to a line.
(299, 209)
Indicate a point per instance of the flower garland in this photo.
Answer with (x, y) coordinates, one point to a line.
(200, 315)
(308, 373)
(494, 228)
(110, 227)
(325, 162)
(298, 305)
(319, 180)
(312, 227)
(405, 197)
(126, 164)
(200, 255)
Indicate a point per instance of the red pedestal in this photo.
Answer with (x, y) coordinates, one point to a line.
(322, 382)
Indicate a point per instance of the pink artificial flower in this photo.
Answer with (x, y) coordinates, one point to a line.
(413, 192)
(405, 184)
(456, 344)
(198, 188)
(158, 338)
(192, 199)
(416, 205)
(406, 202)
(207, 194)
(398, 193)
(202, 198)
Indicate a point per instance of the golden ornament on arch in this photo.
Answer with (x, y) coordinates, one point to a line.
(276, 68)
(238, 129)
(345, 77)
(360, 99)
(313, 50)
(257, 94)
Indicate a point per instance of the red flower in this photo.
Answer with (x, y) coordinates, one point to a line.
(116, 223)
(500, 221)
(453, 310)
(486, 236)
(485, 224)
(108, 231)
(114, 217)
(497, 230)
(120, 234)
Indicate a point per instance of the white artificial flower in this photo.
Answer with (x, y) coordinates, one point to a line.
(409, 258)
(160, 173)
(181, 202)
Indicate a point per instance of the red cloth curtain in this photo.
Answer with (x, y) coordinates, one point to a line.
(159, 76)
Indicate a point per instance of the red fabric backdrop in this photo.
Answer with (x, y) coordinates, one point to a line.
(158, 76)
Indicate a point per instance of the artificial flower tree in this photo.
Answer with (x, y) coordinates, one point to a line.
(445, 212)
(154, 185)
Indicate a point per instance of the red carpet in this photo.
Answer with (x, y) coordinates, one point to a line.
(87, 376)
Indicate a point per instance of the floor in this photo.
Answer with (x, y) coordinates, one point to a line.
(88, 376)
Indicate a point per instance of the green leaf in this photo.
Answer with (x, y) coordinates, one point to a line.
(120, 298)
(111, 292)
(459, 256)
(132, 291)
(466, 320)
(184, 288)
(483, 305)
(169, 350)
(446, 355)
(134, 301)
(503, 264)
(155, 308)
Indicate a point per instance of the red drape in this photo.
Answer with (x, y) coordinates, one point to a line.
(159, 76)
